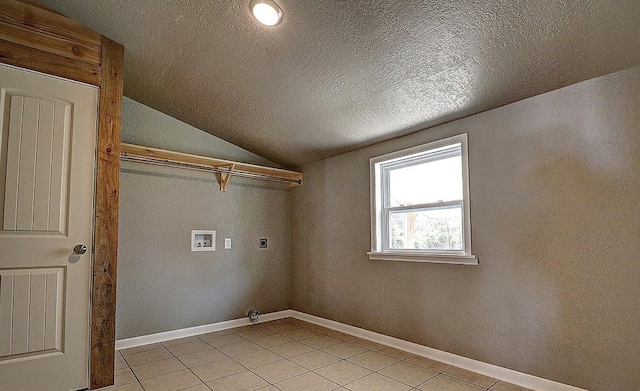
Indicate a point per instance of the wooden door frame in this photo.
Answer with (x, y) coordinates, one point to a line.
(37, 38)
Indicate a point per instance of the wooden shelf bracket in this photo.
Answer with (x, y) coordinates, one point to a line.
(223, 169)
(224, 177)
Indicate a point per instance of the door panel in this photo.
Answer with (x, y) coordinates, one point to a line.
(30, 308)
(37, 161)
(47, 160)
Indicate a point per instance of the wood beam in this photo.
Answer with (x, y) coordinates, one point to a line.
(103, 303)
(49, 63)
(54, 44)
(39, 18)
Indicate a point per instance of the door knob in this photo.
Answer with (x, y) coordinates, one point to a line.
(80, 249)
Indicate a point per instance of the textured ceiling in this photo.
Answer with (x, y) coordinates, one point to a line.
(338, 75)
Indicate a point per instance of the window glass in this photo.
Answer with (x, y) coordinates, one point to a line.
(429, 182)
(429, 229)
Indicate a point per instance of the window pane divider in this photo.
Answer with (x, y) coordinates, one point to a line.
(417, 207)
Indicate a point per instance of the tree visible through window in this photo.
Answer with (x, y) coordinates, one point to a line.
(440, 230)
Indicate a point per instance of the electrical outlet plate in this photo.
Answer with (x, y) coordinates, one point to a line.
(227, 243)
(263, 243)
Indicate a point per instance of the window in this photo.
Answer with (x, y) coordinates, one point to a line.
(420, 204)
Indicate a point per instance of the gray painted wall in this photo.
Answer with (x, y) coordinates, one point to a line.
(555, 206)
(145, 126)
(162, 285)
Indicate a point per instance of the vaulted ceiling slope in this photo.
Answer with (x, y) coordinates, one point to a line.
(338, 75)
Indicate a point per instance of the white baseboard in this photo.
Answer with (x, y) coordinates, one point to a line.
(496, 372)
(197, 330)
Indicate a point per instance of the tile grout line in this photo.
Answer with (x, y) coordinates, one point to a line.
(224, 354)
(288, 359)
(231, 358)
(316, 349)
(466, 381)
(400, 360)
(176, 357)
(249, 369)
(307, 370)
(368, 350)
(155, 361)
(131, 369)
(319, 331)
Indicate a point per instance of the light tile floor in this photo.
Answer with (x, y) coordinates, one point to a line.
(287, 355)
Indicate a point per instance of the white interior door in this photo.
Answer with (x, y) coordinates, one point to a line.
(47, 157)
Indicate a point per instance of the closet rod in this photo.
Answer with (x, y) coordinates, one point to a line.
(218, 170)
(225, 168)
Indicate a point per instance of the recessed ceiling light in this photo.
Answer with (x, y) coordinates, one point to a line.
(266, 12)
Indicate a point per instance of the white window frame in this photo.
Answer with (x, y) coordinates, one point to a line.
(379, 190)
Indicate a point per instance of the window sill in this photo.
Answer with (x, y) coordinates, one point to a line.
(427, 258)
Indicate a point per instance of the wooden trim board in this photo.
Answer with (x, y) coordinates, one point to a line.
(49, 43)
(103, 295)
(42, 20)
(49, 63)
